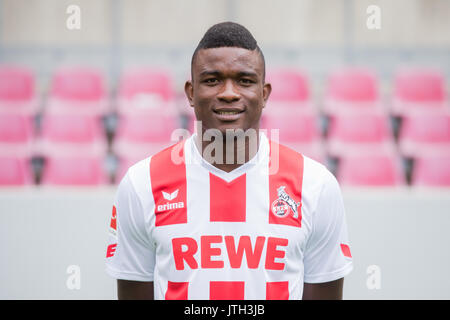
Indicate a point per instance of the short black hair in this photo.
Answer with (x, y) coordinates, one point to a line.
(228, 34)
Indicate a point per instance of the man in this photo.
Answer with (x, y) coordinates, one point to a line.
(244, 219)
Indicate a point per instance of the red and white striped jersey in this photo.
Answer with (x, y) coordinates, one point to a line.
(257, 232)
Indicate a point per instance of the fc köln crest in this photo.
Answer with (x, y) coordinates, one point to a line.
(284, 205)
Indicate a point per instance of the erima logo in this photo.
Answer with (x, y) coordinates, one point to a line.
(168, 205)
(170, 196)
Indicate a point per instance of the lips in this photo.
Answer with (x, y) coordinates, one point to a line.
(228, 114)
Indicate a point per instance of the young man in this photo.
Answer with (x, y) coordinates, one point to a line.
(228, 213)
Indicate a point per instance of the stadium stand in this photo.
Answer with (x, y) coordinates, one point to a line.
(352, 134)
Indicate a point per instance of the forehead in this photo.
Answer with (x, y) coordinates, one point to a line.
(228, 59)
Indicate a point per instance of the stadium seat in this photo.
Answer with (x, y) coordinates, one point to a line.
(15, 171)
(77, 90)
(290, 91)
(418, 88)
(16, 134)
(17, 90)
(424, 132)
(76, 171)
(137, 135)
(354, 132)
(349, 88)
(431, 170)
(371, 170)
(71, 134)
(146, 89)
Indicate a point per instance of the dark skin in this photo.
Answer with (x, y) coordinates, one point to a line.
(229, 79)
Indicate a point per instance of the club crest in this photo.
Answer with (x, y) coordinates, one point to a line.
(283, 206)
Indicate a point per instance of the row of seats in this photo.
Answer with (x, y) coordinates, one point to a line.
(72, 124)
(84, 90)
(352, 170)
(353, 132)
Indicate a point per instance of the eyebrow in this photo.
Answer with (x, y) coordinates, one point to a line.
(240, 74)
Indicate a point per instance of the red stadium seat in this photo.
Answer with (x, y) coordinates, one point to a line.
(146, 89)
(356, 132)
(78, 90)
(77, 171)
(424, 132)
(372, 170)
(71, 134)
(15, 171)
(17, 90)
(418, 88)
(431, 171)
(350, 88)
(138, 135)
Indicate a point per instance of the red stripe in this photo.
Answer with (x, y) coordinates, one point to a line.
(289, 174)
(346, 250)
(177, 290)
(227, 200)
(277, 290)
(169, 176)
(226, 290)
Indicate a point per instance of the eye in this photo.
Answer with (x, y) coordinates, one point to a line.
(246, 81)
(210, 81)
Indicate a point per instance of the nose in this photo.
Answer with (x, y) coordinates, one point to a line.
(229, 93)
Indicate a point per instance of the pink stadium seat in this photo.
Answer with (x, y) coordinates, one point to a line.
(431, 171)
(146, 89)
(351, 87)
(298, 131)
(140, 134)
(290, 91)
(15, 171)
(418, 88)
(16, 134)
(17, 90)
(71, 133)
(298, 127)
(15, 128)
(78, 90)
(78, 171)
(424, 132)
(355, 132)
(382, 169)
(288, 85)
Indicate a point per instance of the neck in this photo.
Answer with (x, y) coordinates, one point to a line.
(228, 151)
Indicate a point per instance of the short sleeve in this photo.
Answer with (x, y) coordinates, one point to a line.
(327, 253)
(129, 254)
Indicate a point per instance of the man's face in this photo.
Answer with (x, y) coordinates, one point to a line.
(227, 90)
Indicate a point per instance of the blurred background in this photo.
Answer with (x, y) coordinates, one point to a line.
(87, 88)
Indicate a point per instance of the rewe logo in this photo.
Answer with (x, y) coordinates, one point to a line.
(170, 196)
(170, 205)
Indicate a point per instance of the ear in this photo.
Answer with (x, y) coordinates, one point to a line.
(189, 91)
(267, 89)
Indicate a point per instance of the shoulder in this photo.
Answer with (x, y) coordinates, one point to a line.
(137, 179)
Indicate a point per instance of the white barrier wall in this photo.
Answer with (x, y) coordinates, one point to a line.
(399, 240)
